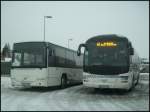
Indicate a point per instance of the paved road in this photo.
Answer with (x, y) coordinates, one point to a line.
(73, 98)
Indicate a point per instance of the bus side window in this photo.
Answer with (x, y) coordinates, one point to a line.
(50, 53)
(53, 52)
(51, 58)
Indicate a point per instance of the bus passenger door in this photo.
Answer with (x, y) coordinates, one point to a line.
(51, 60)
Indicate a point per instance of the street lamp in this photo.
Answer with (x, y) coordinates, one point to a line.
(68, 41)
(44, 24)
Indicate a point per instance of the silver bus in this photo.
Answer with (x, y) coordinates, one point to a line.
(110, 61)
(43, 64)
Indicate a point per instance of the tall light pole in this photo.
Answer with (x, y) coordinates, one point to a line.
(68, 41)
(44, 24)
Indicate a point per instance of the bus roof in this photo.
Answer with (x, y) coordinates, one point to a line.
(42, 42)
(107, 36)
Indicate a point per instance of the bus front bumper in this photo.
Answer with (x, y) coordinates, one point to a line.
(37, 83)
(107, 83)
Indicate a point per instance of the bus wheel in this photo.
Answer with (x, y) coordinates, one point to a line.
(63, 82)
(137, 80)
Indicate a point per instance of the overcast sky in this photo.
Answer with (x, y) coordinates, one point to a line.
(24, 21)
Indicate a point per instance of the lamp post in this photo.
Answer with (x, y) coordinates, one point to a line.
(68, 41)
(44, 24)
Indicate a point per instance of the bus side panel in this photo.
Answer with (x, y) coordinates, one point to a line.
(135, 65)
(55, 74)
(78, 76)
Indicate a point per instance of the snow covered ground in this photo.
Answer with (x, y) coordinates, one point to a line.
(74, 98)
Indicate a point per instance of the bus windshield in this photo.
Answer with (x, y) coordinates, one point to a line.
(28, 58)
(106, 57)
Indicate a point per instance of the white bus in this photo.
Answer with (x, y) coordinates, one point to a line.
(110, 61)
(44, 64)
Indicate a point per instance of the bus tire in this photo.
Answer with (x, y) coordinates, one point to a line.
(63, 81)
(137, 80)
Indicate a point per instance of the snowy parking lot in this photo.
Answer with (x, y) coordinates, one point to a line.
(74, 98)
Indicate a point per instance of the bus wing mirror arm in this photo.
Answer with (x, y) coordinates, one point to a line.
(79, 49)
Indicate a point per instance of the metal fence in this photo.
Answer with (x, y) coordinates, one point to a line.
(5, 68)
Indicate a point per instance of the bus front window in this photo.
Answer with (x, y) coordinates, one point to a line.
(32, 59)
(17, 59)
(113, 56)
(107, 60)
(28, 59)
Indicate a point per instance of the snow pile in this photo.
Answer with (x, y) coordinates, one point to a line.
(73, 98)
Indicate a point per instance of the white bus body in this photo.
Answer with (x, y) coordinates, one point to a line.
(30, 77)
(126, 80)
(50, 75)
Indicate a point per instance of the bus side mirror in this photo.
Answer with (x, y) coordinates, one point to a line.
(131, 51)
(79, 49)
